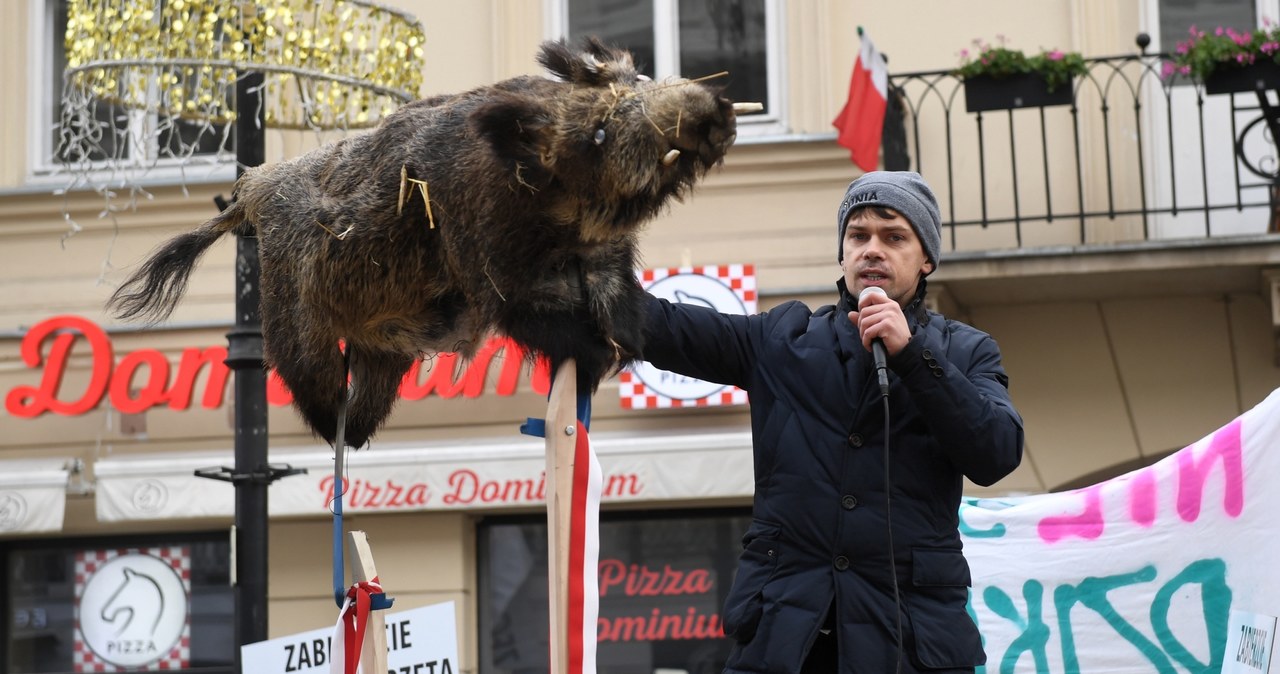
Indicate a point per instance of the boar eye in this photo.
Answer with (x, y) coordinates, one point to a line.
(599, 137)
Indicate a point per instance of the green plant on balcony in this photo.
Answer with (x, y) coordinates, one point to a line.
(998, 61)
(999, 78)
(1229, 60)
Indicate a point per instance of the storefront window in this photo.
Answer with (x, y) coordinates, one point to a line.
(662, 582)
(101, 606)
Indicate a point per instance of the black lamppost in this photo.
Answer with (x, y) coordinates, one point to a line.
(244, 357)
(252, 474)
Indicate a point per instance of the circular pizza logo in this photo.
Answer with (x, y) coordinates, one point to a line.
(133, 610)
(150, 496)
(13, 511)
(697, 289)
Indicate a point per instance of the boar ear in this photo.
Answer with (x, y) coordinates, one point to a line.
(594, 65)
(559, 60)
(616, 59)
(518, 129)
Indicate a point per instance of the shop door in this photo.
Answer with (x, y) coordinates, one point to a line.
(1182, 177)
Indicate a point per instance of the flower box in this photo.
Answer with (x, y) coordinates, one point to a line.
(1227, 79)
(1021, 90)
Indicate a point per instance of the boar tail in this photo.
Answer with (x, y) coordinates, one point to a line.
(153, 291)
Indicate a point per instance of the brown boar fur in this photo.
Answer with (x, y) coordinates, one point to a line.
(537, 189)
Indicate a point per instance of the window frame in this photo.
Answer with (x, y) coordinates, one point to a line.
(666, 56)
(43, 169)
(653, 517)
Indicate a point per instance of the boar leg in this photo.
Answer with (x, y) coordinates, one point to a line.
(311, 365)
(375, 382)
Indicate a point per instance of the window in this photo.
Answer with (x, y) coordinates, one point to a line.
(662, 578)
(125, 136)
(693, 38)
(142, 605)
(1176, 17)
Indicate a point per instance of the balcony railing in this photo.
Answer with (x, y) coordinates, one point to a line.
(1132, 157)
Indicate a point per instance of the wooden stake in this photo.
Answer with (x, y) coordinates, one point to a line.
(373, 656)
(561, 432)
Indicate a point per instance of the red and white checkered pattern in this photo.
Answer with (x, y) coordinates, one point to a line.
(87, 563)
(741, 278)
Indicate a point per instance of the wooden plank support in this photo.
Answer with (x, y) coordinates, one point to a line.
(373, 656)
(561, 440)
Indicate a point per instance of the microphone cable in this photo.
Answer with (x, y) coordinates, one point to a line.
(888, 517)
(882, 376)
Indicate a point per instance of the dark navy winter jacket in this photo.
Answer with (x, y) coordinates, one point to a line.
(819, 536)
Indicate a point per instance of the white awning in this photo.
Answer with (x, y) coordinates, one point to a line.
(473, 475)
(33, 495)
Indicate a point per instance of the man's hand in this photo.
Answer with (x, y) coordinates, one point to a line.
(879, 316)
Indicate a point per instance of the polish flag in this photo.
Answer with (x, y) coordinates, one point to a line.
(862, 119)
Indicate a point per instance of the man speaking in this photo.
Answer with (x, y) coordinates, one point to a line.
(853, 560)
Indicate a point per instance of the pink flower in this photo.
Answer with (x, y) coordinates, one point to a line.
(1167, 69)
(1218, 31)
(1184, 47)
(1056, 55)
(964, 53)
(1193, 30)
(1270, 47)
(1184, 70)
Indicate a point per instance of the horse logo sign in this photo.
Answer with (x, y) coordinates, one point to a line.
(132, 609)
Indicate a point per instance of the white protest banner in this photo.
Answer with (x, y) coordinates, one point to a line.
(1136, 574)
(419, 641)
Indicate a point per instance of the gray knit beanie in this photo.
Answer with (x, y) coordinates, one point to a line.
(903, 191)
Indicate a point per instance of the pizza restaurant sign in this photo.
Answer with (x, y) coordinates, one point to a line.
(145, 378)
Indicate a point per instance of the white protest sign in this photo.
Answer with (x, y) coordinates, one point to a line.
(1249, 640)
(419, 641)
(1139, 573)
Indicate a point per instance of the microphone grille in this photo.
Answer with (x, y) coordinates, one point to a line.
(871, 290)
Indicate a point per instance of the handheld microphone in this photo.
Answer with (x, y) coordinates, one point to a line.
(877, 344)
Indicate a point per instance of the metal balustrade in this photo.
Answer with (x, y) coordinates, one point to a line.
(1133, 156)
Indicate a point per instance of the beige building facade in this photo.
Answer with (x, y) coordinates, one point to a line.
(1120, 348)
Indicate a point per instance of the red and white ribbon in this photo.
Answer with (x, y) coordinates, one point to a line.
(584, 556)
(348, 634)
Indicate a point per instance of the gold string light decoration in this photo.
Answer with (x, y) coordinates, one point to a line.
(327, 64)
(152, 82)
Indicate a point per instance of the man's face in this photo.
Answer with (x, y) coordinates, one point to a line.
(883, 253)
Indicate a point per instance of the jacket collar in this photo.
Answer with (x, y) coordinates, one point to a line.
(850, 343)
(915, 311)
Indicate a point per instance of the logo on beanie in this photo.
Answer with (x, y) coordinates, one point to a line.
(869, 195)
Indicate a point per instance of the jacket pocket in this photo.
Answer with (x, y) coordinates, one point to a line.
(944, 634)
(745, 602)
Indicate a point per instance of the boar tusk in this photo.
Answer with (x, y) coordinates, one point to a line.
(671, 158)
(739, 108)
